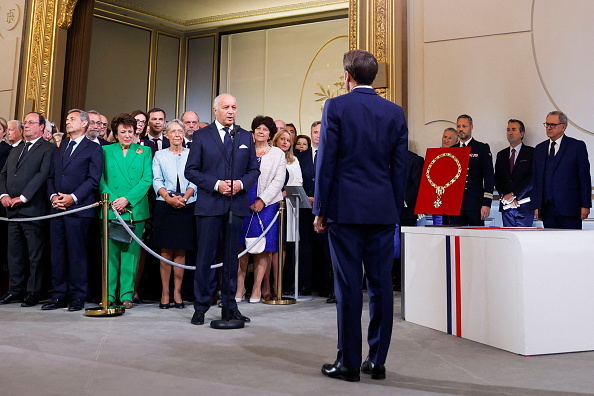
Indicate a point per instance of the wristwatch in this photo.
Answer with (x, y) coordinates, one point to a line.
(185, 199)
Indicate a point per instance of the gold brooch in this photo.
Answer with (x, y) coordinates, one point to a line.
(439, 190)
(139, 150)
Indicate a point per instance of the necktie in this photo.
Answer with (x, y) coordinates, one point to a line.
(315, 160)
(156, 140)
(512, 160)
(552, 150)
(227, 142)
(68, 152)
(24, 152)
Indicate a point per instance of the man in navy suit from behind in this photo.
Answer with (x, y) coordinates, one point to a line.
(514, 182)
(561, 177)
(209, 167)
(72, 183)
(359, 196)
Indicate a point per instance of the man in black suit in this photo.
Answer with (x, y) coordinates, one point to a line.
(513, 177)
(478, 193)
(156, 125)
(562, 188)
(209, 167)
(192, 122)
(314, 250)
(73, 182)
(94, 128)
(4, 150)
(414, 172)
(15, 132)
(23, 194)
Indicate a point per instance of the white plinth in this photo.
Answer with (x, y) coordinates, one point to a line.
(527, 292)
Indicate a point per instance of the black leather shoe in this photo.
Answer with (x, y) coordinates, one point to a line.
(55, 303)
(10, 298)
(76, 305)
(377, 372)
(31, 300)
(331, 299)
(337, 370)
(198, 318)
(235, 314)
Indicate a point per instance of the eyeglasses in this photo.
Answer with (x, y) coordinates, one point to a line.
(31, 123)
(548, 125)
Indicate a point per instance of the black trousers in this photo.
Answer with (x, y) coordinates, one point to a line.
(26, 243)
(208, 231)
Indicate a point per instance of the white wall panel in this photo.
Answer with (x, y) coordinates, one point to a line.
(276, 72)
(452, 19)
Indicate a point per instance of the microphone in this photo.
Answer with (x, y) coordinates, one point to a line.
(233, 131)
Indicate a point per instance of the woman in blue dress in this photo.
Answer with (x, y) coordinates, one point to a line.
(264, 198)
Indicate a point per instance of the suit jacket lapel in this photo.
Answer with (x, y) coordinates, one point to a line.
(132, 157)
(28, 153)
(214, 133)
(116, 151)
(78, 148)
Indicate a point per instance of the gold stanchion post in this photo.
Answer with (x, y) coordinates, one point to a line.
(279, 279)
(104, 310)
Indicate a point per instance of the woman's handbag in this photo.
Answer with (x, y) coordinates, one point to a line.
(117, 232)
(261, 245)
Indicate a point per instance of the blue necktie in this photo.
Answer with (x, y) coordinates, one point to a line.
(227, 142)
(552, 150)
(68, 152)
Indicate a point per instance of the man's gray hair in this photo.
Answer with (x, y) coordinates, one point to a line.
(215, 103)
(18, 123)
(560, 114)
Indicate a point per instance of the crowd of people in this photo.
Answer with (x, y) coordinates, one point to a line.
(140, 160)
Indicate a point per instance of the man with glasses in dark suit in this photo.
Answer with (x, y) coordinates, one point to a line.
(23, 194)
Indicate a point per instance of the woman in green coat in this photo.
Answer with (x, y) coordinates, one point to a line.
(127, 177)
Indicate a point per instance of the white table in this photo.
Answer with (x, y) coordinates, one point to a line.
(527, 292)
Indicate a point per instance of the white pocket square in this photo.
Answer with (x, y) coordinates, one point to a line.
(242, 146)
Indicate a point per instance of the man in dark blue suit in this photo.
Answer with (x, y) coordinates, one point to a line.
(478, 192)
(561, 177)
(359, 198)
(513, 177)
(72, 183)
(209, 167)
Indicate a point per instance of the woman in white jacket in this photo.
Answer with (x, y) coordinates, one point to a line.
(264, 198)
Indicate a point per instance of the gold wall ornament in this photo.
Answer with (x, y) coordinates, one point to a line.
(439, 190)
(329, 93)
(379, 34)
(379, 26)
(353, 25)
(43, 57)
(66, 12)
(40, 51)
